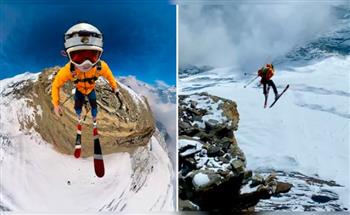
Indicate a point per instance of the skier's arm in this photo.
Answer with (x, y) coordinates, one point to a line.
(61, 78)
(107, 73)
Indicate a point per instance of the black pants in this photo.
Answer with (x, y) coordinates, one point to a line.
(268, 83)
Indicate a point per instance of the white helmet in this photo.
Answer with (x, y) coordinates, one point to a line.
(83, 36)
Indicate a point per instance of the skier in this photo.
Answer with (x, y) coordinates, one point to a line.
(266, 74)
(83, 45)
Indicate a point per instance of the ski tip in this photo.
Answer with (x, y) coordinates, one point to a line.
(77, 153)
(100, 173)
(99, 168)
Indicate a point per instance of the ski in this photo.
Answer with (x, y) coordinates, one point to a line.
(77, 150)
(279, 96)
(98, 159)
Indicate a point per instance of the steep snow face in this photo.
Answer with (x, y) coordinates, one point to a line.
(36, 178)
(307, 130)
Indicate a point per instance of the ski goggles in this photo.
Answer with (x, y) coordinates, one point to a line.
(79, 56)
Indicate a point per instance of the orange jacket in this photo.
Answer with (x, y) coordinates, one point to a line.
(266, 73)
(64, 75)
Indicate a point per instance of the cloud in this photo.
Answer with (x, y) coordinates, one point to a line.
(161, 83)
(164, 112)
(247, 35)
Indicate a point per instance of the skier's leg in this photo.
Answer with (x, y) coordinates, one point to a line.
(266, 92)
(272, 84)
(78, 103)
(93, 104)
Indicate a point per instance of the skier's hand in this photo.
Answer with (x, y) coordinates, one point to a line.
(58, 110)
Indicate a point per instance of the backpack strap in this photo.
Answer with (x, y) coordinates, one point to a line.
(98, 66)
(74, 74)
(72, 67)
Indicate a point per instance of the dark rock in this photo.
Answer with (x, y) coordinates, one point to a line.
(283, 187)
(197, 118)
(322, 198)
(227, 156)
(247, 176)
(186, 205)
(237, 165)
(196, 112)
(224, 160)
(225, 143)
(190, 132)
(220, 196)
(213, 151)
(257, 180)
(211, 124)
(264, 192)
(203, 136)
(223, 131)
(184, 125)
(193, 104)
(270, 178)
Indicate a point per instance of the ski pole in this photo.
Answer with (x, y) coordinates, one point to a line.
(251, 81)
(121, 102)
(118, 97)
(67, 100)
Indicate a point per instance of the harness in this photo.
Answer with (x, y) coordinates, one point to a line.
(89, 80)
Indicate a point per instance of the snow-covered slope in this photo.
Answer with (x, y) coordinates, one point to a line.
(36, 178)
(308, 129)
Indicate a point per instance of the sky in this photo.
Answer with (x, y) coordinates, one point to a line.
(139, 36)
(246, 36)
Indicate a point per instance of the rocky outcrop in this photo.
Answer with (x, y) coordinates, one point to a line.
(212, 168)
(124, 123)
(308, 194)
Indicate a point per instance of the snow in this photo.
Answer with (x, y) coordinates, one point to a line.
(196, 146)
(185, 142)
(137, 98)
(200, 180)
(34, 177)
(306, 131)
(214, 112)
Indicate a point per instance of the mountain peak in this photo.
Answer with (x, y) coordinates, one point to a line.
(123, 125)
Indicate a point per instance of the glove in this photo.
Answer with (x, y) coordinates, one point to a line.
(58, 111)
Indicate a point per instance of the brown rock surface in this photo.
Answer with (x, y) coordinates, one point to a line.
(122, 125)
